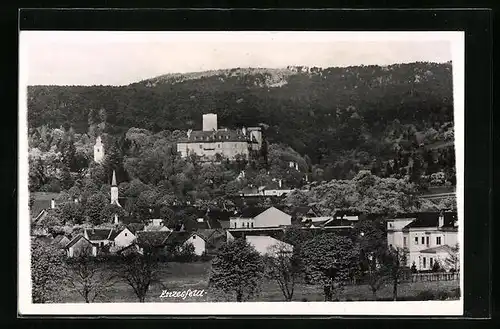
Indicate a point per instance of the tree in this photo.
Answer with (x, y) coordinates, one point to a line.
(283, 266)
(47, 272)
(395, 261)
(139, 272)
(88, 276)
(94, 208)
(453, 259)
(330, 260)
(71, 212)
(237, 268)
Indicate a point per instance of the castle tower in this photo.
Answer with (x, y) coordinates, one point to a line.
(209, 122)
(98, 150)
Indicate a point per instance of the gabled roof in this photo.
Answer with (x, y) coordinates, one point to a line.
(114, 234)
(220, 215)
(75, 240)
(38, 206)
(58, 239)
(134, 227)
(342, 213)
(44, 239)
(252, 211)
(431, 219)
(99, 233)
(178, 237)
(213, 237)
(152, 238)
(200, 136)
(438, 249)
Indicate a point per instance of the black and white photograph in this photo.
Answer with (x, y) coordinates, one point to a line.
(241, 172)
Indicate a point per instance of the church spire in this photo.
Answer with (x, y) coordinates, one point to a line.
(113, 181)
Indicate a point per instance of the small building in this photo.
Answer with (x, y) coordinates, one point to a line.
(179, 240)
(122, 238)
(60, 241)
(438, 254)
(255, 217)
(421, 232)
(99, 236)
(80, 246)
(152, 240)
(268, 246)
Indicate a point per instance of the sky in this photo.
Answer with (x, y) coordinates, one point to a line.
(120, 58)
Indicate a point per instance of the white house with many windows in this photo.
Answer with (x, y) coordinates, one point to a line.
(428, 237)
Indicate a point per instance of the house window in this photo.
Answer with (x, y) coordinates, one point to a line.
(218, 145)
(234, 225)
(404, 241)
(201, 146)
(248, 225)
(423, 240)
(194, 237)
(427, 241)
(424, 262)
(125, 234)
(243, 225)
(430, 262)
(438, 240)
(416, 240)
(102, 244)
(251, 225)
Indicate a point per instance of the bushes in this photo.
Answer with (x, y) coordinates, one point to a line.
(438, 295)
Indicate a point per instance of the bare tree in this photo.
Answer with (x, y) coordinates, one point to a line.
(139, 272)
(377, 275)
(89, 276)
(453, 259)
(283, 266)
(395, 261)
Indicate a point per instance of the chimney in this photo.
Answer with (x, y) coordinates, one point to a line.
(52, 203)
(189, 133)
(280, 183)
(244, 131)
(441, 219)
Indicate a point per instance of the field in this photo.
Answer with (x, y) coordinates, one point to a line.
(194, 276)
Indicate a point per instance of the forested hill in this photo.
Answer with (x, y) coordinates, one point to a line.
(326, 114)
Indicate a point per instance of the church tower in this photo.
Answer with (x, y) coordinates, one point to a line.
(114, 191)
(98, 150)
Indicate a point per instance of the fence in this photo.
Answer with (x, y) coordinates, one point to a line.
(438, 276)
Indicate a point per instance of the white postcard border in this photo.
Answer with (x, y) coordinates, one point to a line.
(450, 308)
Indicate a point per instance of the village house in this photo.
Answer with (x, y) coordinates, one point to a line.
(122, 238)
(152, 240)
(156, 224)
(428, 237)
(180, 239)
(79, 246)
(268, 246)
(255, 217)
(60, 241)
(100, 237)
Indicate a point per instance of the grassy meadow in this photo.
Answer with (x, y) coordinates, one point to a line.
(194, 276)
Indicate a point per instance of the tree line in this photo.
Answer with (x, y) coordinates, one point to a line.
(326, 259)
(353, 116)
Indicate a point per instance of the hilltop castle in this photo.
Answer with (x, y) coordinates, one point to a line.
(227, 143)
